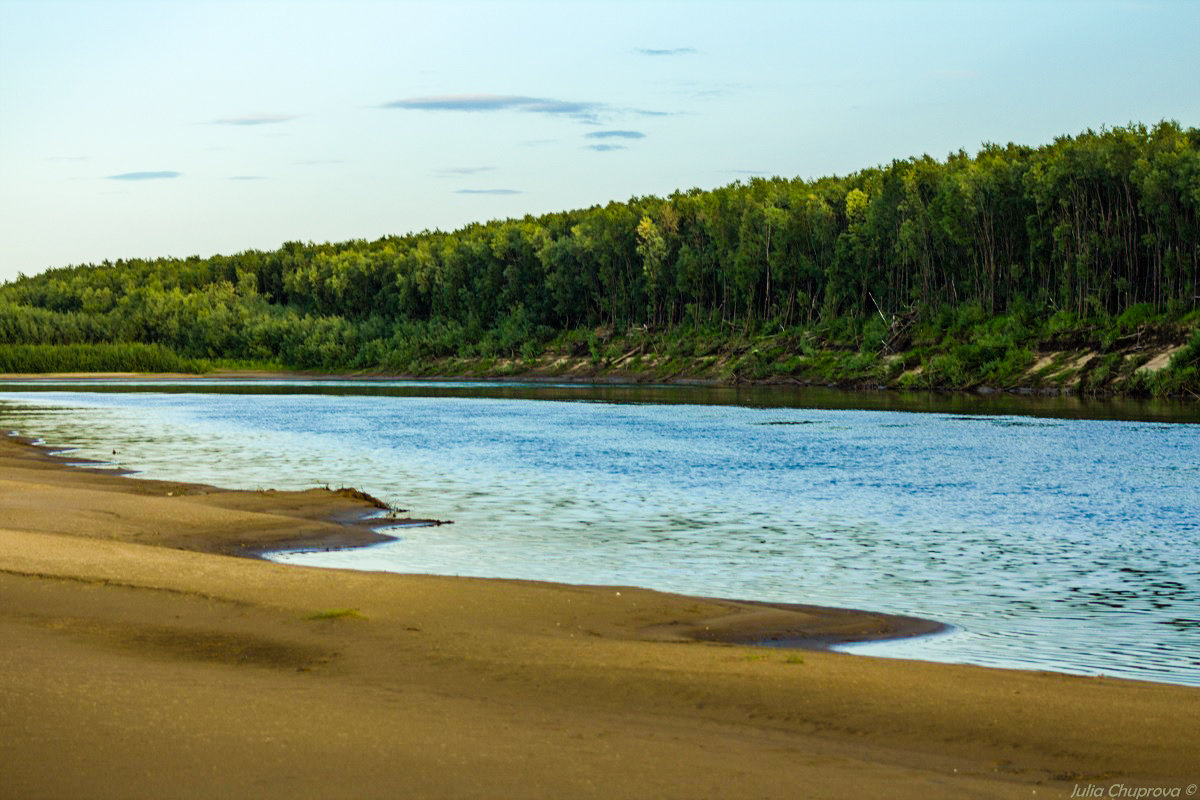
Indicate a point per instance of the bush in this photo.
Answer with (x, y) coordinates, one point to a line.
(123, 357)
(1134, 316)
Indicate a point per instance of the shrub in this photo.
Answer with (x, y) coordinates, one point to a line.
(121, 357)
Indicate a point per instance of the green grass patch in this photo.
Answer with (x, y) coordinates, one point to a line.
(336, 613)
(241, 364)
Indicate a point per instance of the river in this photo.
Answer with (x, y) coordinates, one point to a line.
(1049, 533)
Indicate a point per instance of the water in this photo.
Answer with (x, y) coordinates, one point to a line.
(1047, 542)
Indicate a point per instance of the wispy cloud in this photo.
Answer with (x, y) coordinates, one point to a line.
(583, 111)
(247, 178)
(67, 158)
(615, 135)
(673, 51)
(317, 162)
(486, 191)
(451, 172)
(604, 148)
(144, 176)
(498, 102)
(255, 119)
(699, 89)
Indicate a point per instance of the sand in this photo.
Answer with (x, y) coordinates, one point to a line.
(142, 657)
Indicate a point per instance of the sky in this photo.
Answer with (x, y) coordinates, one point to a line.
(158, 128)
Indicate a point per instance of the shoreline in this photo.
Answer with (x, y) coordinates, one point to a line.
(783, 394)
(613, 378)
(813, 628)
(140, 659)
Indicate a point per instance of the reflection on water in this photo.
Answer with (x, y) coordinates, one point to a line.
(1048, 542)
(751, 396)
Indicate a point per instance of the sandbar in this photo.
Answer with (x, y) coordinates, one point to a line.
(148, 653)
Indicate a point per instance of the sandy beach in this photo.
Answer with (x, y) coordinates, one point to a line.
(147, 653)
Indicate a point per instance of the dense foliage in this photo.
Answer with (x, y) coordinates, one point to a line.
(1085, 231)
(126, 357)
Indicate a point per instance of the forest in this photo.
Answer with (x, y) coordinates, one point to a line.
(921, 273)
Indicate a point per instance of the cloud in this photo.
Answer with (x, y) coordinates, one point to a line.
(460, 102)
(486, 191)
(586, 112)
(67, 158)
(497, 102)
(674, 51)
(144, 176)
(561, 107)
(448, 172)
(317, 162)
(615, 135)
(604, 148)
(255, 119)
(247, 178)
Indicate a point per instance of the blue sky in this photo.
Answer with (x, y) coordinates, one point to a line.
(142, 129)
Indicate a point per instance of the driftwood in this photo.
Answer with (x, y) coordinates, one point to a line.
(899, 327)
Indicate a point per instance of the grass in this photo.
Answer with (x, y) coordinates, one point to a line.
(336, 613)
(244, 364)
(792, 659)
(119, 357)
(359, 494)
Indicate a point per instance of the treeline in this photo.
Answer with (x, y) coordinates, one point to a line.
(1081, 230)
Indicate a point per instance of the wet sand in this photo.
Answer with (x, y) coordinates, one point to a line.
(141, 657)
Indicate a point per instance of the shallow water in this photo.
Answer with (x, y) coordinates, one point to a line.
(1048, 542)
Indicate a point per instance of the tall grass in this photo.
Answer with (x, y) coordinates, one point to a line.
(121, 357)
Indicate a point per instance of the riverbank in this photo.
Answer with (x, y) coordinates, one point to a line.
(1151, 361)
(141, 659)
(985, 357)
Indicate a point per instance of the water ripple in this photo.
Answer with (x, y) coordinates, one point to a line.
(1060, 544)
